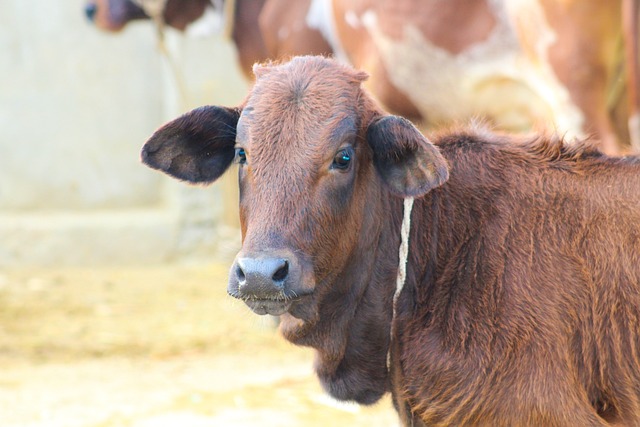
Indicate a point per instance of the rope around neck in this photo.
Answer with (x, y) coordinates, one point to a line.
(403, 252)
(403, 256)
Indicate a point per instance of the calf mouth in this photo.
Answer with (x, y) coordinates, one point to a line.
(274, 307)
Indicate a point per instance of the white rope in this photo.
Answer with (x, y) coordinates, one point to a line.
(403, 252)
(403, 256)
(155, 10)
(176, 72)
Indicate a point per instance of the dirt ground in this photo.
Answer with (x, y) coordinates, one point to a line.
(152, 347)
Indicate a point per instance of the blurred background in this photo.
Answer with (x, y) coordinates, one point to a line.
(113, 309)
(76, 105)
(113, 305)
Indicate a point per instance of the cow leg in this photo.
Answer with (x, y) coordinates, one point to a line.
(583, 58)
(246, 35)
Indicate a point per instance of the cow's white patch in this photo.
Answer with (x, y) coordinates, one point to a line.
(352, 19)
(492, 78)
(320, 17)
(209, 24)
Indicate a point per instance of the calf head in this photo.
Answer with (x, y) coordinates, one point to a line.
(317, 162)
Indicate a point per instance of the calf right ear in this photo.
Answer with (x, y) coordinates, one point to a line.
(408, 163)
(196, 147)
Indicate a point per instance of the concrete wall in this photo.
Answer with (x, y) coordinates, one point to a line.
(76, 105)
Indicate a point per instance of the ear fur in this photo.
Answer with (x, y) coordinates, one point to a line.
(408, 163)
(196, 147)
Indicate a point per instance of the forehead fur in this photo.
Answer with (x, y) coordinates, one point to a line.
(296, 117)
(297, 104)
(305, 81)
(310, 65)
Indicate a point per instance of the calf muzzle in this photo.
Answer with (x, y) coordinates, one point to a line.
(268, 282)
(261, 278)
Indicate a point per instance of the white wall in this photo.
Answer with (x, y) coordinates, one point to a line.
(76, 105)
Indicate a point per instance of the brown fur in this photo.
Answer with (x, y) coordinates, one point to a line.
(522, 300)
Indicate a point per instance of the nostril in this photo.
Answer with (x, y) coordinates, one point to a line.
(240, 274)
(282, 273)
(90, 11)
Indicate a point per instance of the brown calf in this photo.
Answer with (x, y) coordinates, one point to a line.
(522, 299)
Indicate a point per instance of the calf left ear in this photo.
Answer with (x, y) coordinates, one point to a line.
(408, 163)
(196, 147)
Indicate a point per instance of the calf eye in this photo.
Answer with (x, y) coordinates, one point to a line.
(241, 156)
(343, 158)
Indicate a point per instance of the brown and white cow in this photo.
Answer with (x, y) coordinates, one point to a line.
(519, 63)
(521, 304)
(260, 29)
(114, 15)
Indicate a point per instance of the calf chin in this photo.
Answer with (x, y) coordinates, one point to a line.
(361, 381)
(356, 387)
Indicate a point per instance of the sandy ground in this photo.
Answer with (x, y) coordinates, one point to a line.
(152, 347)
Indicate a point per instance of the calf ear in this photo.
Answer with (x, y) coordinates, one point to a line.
(408, 163)
(196, 147)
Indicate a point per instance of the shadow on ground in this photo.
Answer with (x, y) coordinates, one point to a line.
(152, 347)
